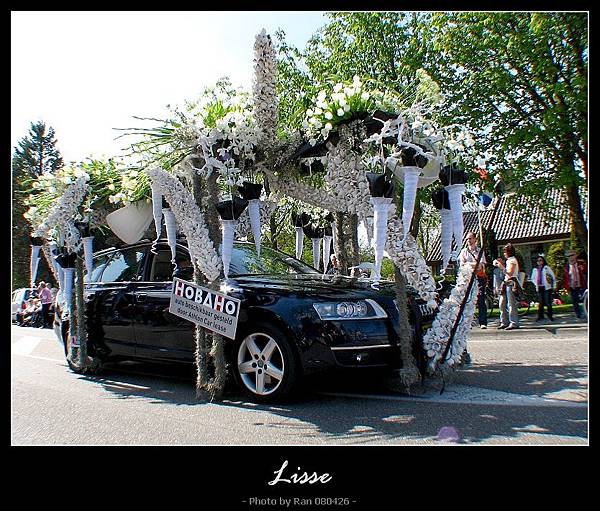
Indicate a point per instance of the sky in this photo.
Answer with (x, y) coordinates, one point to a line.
(86, 73)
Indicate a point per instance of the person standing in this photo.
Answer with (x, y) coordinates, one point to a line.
(469, 255)
(545, 282)
(575, 280)
(46, 299)
(509, 313)
(334, 266)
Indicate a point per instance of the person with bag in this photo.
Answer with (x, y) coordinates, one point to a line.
(469, 255)
(508, 304)
(545, 283)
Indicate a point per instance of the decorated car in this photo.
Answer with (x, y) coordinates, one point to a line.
(292, 322)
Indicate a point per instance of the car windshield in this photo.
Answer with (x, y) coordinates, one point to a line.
(245, 261)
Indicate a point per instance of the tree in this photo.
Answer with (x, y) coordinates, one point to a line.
(34, 155)
(520, 81)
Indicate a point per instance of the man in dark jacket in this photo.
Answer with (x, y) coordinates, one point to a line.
(575, 280)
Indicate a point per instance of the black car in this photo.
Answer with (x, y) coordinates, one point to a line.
(293, 320)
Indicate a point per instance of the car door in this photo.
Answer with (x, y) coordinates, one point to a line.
(159, 334)
(113, 294)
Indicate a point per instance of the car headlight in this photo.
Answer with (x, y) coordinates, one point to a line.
(363, 309)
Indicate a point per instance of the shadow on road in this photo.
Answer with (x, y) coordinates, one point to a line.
(311, 415)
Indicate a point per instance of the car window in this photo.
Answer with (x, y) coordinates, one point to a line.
(124, 265)
(162, 269)
(100, 263)
(245, 261)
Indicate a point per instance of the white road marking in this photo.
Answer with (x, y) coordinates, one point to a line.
(25, 345)
(462, 394)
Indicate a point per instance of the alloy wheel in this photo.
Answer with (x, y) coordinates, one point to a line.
(260, 364)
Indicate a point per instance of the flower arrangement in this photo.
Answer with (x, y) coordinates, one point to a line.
(436, 338)
(264, 90)
(338, 104)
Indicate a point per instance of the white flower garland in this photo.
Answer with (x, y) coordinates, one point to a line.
(263, 88)
(191, 221)
(63, 214)
(321, 198)
(405, 254)
(436, 338)
(346, 175)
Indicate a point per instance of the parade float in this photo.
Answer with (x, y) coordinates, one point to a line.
(233, 169)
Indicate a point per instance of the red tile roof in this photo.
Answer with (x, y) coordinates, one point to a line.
(517, 221)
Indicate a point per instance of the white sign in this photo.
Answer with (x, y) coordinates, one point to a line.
(214, 311)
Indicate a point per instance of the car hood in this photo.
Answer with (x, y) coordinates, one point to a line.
(325, 286)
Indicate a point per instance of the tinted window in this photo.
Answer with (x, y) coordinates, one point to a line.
(162, 270)
(124, 265)
(244, 261)
(100, 263)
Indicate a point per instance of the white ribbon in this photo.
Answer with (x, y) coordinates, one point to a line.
(381, 207)
(228, 230)
(326, 251)
(254, 213)
(171, 225)
(88, 253)
(446, 240)
(34, 263)
(156, 213)
(411, 179)
(455, 195)
(69, 274)
(316, 247)
(299, 242)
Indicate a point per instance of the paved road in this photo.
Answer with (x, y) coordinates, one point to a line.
(528, 389)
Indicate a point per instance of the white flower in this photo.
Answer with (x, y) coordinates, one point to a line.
(338, 87)
(328, 115)
(340, 112)
(365, 96)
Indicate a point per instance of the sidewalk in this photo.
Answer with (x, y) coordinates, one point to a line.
(564, 324)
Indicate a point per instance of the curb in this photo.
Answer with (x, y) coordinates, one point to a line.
(537, 332)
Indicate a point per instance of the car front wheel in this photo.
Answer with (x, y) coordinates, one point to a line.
(264, 364)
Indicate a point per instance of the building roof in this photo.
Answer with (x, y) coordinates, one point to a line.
(517, 221)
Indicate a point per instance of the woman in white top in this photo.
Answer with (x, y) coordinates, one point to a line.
(509, 313)
(545, 282)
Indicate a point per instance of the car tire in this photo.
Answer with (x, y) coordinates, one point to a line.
(264, 364)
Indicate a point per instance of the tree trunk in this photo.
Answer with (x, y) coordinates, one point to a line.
(577, 218)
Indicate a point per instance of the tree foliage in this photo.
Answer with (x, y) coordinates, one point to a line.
(35, 154)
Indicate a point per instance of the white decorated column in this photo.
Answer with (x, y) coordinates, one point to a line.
(411, 179)
(157, 211)
(455, 192)
(254, 213)
(299, 242)
(381, 207)
(171, 226)
(34, 262)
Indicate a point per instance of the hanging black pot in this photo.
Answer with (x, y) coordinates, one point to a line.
(66, 260)
(410, 157)
(440, 199)
(83, 228)
(380, 185)
(451, 174)
(231, 209)
(250, 191)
